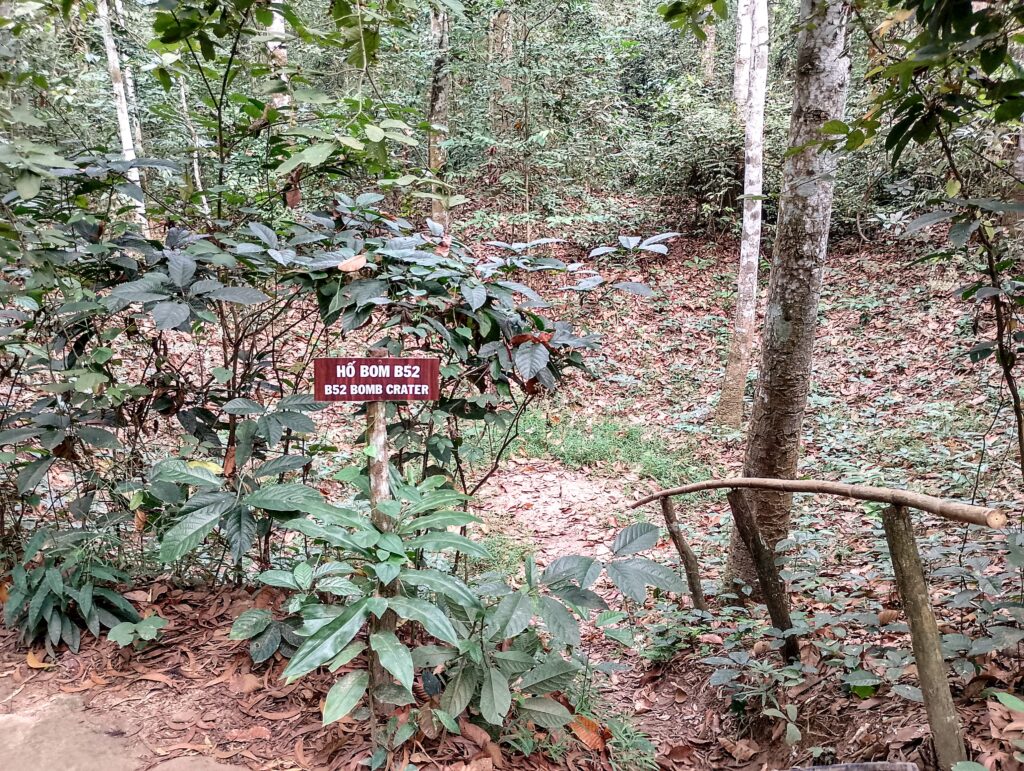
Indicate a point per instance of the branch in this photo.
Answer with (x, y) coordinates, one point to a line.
(959, 512)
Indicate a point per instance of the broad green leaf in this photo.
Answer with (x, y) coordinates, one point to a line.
(204, 511)
(427, 614)
(544, 711)
(511, 617)
(393, 656)
(450, 586)
(559, 621)
(553, 675)
(249, 624)
(345, 694)
(328, 641)
(636, 537)
(286, 497)
(634, 575)
(437, 542)
(495, 698)
(460, 691)
(531, 358)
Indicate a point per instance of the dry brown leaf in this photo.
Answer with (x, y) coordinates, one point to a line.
(888, 616)
(246, 683)
(250, 734)
(474, 733)
(33, 660)
(352, 264)
(588, 731)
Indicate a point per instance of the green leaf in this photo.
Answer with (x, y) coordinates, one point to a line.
(244, 407)
(559, 621)
(170, 315)
(553, 675)
(443, 541)
(632, 576)
(280, 578)
(441, 583)
(439, 521)
(123, 634)
(249, 624)
(239, 295)
(495, 698)
(286, 497)
(328, 641)
(265, 644)
(281, 465)
(512, 616)
(373, 133)
(32, 474)
(459, 691)
(338, 586)
(530, 359)
(1010, 701)
(544, 711)
(345, 694)
(427, 614)
(312, 156)
(204, 512)
(393, 656)
(99, 437)
(28, 184)
(634, 538)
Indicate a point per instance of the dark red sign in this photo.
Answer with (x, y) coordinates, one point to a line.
(376, 380)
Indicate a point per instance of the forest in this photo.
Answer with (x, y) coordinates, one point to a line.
(475, 385)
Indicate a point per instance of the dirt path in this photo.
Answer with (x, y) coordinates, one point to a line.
(562, 511)
(63, 733)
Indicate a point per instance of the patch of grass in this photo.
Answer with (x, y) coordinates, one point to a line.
(605, 443)
(508, 555)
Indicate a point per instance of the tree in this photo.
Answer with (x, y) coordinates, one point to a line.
(438, 106)
(730, 405)
(124, 124)
(773, 440)
(741, 69)
(707, 54)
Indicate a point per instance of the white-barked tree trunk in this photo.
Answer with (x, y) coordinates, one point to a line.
(734, 383)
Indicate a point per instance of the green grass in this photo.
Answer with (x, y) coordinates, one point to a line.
(507, 555)
(606, 443)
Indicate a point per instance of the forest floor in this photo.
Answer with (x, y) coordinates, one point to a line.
(895, 401)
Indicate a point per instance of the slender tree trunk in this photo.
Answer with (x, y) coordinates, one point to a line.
(498, 54)
(278, 50)
(124, 127)
(197, 172)
(438, 107)
(707, 54)
(129, 83)
(730, 405)
(773, 440)
(744, 44)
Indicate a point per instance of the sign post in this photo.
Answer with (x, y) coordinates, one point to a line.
(376, 380)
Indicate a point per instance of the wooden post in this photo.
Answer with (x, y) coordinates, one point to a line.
(924, 634)
(380, 490)
(767, 573)
(689, 559)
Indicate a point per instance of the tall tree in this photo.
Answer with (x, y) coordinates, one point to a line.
(707, 54)
(438, 107)
(124, 126)
(741, 69)
(730, 405)
(773, 441)
(130, 91)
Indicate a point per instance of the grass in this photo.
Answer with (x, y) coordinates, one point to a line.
(607, 444)
(507, 555)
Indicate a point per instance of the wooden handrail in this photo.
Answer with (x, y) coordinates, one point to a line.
(953, 510)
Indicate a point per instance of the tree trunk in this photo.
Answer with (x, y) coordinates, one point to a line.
(744, 43)
(730, 405)
(129, 83)
(197, 173)
(707, 54)
(124, 127)
(773, 440)
(438, 107)
(498, 50)
(278, 50)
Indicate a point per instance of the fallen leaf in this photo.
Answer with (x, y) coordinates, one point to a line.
(474, 733)
(588, 731)
(352, 264)
(33, 660)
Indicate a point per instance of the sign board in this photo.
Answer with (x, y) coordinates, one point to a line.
(376, 380)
